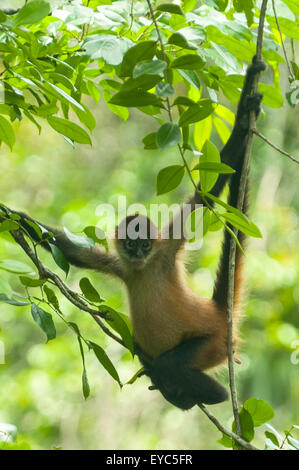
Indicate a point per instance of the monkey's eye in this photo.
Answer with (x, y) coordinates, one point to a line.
(146, 245)
(130, 244)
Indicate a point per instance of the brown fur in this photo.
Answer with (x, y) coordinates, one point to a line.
(165, 311)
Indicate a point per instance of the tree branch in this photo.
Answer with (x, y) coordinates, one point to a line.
(283, 152)
(232, 254)
(282, 43)
(73, 297)
(232, 435)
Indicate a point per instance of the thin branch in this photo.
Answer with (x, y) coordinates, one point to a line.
(232, 253)
(282, 43)
(45, 273)
(232, 435)
(283, 152)
(148, 27)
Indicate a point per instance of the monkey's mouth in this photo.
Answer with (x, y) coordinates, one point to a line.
(138, 262)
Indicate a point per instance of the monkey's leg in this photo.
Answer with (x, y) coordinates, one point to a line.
(181, 384)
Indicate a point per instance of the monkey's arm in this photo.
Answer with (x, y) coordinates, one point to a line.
(232, 154)
(94, 258)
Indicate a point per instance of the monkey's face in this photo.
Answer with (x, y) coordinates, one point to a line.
(135, 240)
(137, 251)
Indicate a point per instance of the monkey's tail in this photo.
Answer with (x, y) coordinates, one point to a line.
(221, 284)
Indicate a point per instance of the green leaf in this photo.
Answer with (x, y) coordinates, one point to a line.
(44, 320)
(170, 8)
(143, 51)
(149, 67)
(89, 291)
(293, 6)
(215, 223)
(12, 301)
(82, 242)
(8, 225)
(93, 90)
(272, 438)
(246, 227)
(97, 235)
(3, 16)
(164, 90)
(85, 384)
(260, 411)
(196, 112)
(109, 47)
(104, 360)
(228, 207)
(142, 83)
(60, 94)
(211, 155)
(69, 129)
(7, 134)
(13, 266)
(59, 258)
(39, 230)
(51, 296)
(225, 441)
(46, 109)
(179, 40)
(202, 132)
(169, 178)
(222, 129)
(287, 27)
(5, 287)
(86, 117)
(135, 99)
(32, 12)
(183, 101)
(121, 112)
(135, 376)
(220, 168)
(168, 135)
(121, 325)
(191, 77)
(225, 114)
(150, 141)
(188, 62)
(29, 282)
(271, 95)
(246, 423)
(293, 442)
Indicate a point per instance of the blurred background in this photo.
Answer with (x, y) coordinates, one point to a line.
(40, 384)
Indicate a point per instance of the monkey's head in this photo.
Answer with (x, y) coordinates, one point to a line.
(136, 238)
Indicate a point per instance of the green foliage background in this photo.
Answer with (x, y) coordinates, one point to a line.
(40, 384)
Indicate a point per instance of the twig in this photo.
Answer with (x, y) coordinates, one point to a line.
(148, 27)
(282, 43)
(232, 435)
(283, 152)
(232, 253)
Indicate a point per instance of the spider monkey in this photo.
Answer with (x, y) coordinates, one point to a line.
(177, 334)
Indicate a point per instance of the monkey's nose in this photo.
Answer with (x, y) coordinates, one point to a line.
(139, 253)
